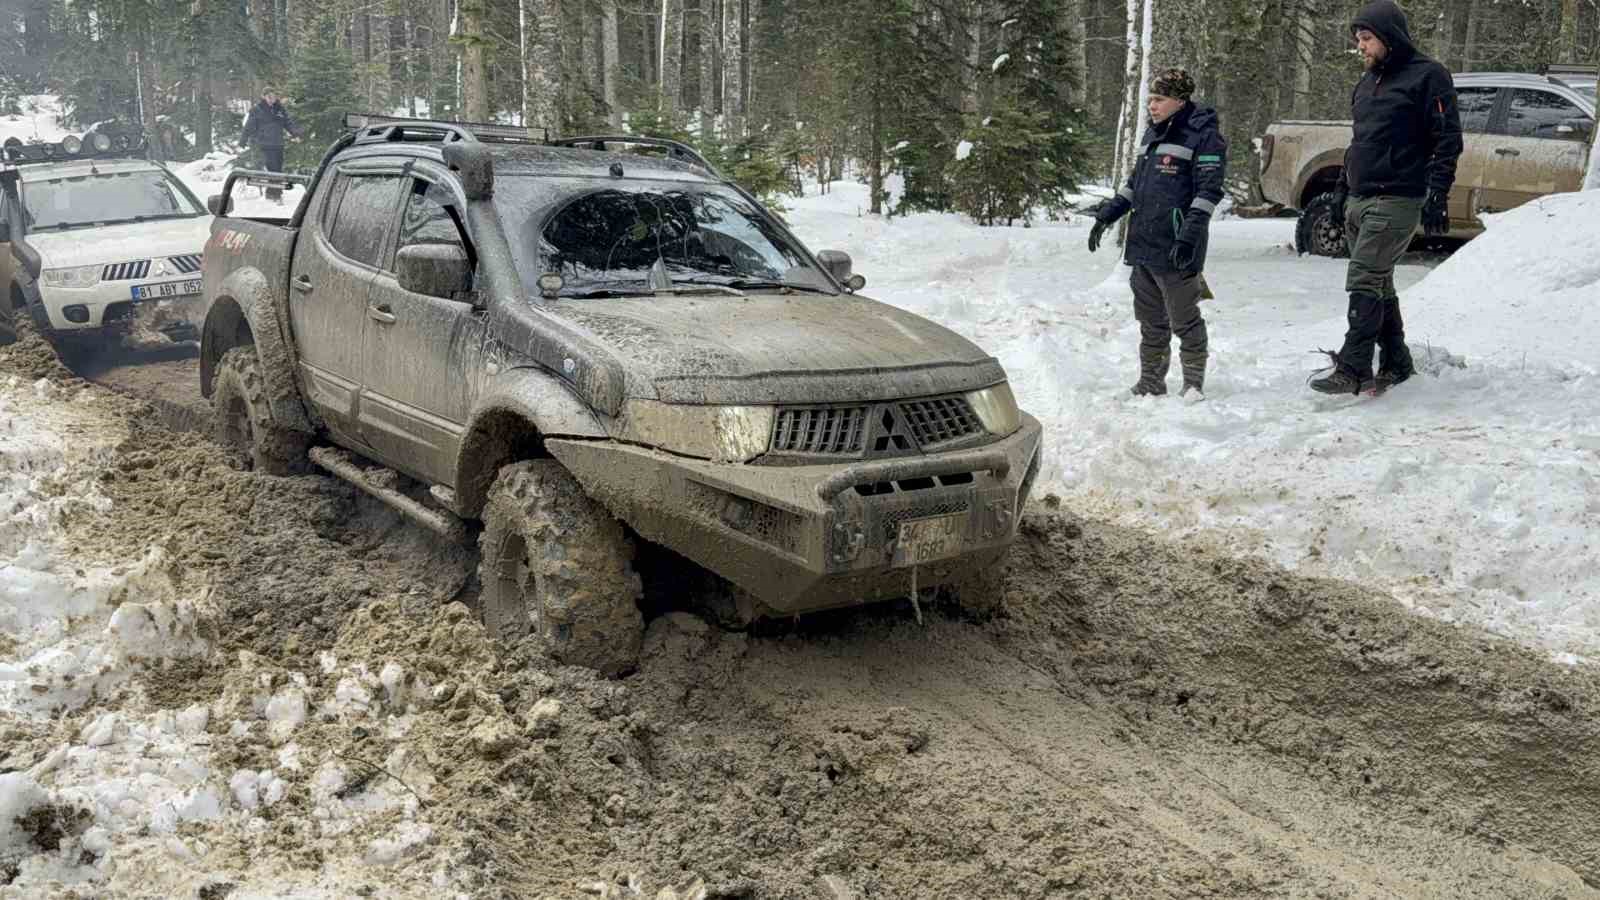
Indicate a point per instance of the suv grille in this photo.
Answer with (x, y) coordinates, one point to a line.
(940, 420)
(187, 263)
(824, 430)
(125, 271)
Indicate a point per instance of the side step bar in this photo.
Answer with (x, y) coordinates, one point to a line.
(339, 463)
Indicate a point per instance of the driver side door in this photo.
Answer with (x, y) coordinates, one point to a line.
(422, 356)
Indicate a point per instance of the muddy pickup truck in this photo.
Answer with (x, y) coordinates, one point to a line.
(567, 348)
(1525, 136)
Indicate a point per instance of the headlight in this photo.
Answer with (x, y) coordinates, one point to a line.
(722, 433)
(996, 408)
(75, 277)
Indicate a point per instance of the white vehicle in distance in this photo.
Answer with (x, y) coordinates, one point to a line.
(91, 237)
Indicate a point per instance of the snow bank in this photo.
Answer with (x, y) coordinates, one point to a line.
(205, 176)
(39, 120)
(1470, 494)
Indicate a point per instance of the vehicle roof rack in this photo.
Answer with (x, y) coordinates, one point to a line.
(372, 128)
(1571, 69)
(675, 149)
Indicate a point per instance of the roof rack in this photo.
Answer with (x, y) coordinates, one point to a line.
(372, 128)
(94, 145)
(1571, 69)
(675, 149)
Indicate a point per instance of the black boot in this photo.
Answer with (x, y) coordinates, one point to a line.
(1153, 365)
(1342, 379)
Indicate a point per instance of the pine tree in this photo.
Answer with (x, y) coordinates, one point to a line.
(1008, 171)
(322, 85)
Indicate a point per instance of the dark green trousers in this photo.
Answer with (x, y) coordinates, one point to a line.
(1378, 231)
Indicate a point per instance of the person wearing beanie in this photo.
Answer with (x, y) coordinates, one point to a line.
(266, 127)
(1397, 174)
(1176, 186)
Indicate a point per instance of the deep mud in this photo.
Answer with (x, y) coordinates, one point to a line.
(1144, 719)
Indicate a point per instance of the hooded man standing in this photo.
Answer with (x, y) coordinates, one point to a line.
(266, 127)
(1175, 187)
(1397, 173)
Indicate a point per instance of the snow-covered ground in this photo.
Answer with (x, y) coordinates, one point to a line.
(1470, 493)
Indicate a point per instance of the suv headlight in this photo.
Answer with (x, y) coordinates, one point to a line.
(74, 277)
(996, 408)
(723, 433)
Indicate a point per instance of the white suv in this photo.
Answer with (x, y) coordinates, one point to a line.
(93, 239)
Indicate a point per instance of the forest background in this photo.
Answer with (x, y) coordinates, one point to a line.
(994, 108)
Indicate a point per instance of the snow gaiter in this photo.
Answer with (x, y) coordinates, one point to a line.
(1393, 354)
(1366, 323)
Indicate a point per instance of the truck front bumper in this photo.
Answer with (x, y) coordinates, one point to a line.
(805, 538)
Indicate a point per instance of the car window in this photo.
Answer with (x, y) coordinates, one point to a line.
(1476, 104)
(1541, 114)
(431, 217)
(330, 202)
(362, 222)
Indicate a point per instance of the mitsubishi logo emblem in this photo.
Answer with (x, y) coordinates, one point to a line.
(890, 437)
(161, 267)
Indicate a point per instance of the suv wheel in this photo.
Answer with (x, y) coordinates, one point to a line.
(243, 417)
(1318, 232)
(556, 563)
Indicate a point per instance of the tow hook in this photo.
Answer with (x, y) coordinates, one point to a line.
(849, 539)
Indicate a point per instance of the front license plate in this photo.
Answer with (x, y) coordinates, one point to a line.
(925, 540)
(166, 289)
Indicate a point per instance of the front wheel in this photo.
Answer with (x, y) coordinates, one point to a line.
(557, 563)
(1319, 232)
(243, 417)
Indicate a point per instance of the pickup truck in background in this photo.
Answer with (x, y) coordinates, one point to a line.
(1525, 136)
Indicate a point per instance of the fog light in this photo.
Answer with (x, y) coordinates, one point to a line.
(738, 513)
(77, 313)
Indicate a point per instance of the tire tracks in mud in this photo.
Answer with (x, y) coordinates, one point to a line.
(1147, 719)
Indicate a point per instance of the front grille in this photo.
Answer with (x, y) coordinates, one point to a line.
(823, 430)
(125, 271)
(187, 263)
(940, 420)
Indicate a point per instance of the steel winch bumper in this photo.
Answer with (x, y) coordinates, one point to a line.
(804, 538)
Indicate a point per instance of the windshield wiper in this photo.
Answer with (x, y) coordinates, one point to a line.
(691, 286)
(151, 218)
(753, 285)
(589, 293)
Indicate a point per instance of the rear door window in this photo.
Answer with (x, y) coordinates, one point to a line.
(1476, 105)
(365, 215)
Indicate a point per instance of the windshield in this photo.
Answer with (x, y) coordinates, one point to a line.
(637, 237)
(105, 198)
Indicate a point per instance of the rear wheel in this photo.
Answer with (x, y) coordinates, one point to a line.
(1319, 232)
(557, 564)
(243, 417)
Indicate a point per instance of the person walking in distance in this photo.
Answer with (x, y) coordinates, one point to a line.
(266, 127)
(1175, 188)
(1397, 174)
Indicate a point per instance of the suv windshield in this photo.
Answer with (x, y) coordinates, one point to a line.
(105, 198)
(609, 239)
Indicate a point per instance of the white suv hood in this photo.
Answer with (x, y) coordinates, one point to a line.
(121, 243)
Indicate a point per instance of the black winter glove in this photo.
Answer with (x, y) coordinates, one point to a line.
(1188, 241)
(1095, 233)
(1341, 199)
(1436, 213)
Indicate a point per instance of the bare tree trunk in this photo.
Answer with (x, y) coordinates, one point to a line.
(1469, 52)
(611, 60)
(708, 68)
(752, 60)
(1136, 94)
(379, 87)
(474, 73)
(1567, 45)
(733, 67)
(543, 69)
(671, 55)
(408, 63)
(1305, 33)
(202, 81)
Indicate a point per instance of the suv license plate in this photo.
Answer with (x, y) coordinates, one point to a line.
(925, 540)
(166, 289)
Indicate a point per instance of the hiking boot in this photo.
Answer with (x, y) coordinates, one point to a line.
(1149, 387)
(1340, 382)
(1388, 378)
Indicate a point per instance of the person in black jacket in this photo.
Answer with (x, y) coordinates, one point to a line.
(1175, 187)
(266, 127)
(1397, 173)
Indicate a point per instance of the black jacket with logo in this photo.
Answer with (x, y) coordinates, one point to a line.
(1407, 134)
(1178, 177)
(267, 124)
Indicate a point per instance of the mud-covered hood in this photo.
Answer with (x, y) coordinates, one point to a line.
(772, 348)
(121, 243)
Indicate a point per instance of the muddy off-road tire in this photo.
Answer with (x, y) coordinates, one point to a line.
(1319, 232)
(242, 417)
(556, 563)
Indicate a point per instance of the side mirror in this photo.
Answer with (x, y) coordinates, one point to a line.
(434, 270)
(838, 264)
(214, 204)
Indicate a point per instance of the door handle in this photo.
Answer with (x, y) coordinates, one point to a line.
(303, 284)
(1507, 151)
(381, 314)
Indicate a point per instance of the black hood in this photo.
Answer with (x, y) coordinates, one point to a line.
(1192, 116)
(1385, 19)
